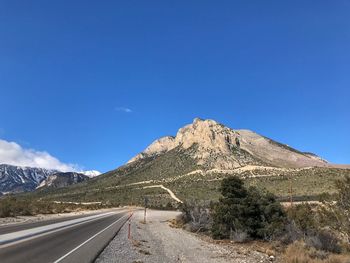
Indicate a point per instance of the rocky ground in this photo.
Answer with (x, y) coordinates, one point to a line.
(158, 242)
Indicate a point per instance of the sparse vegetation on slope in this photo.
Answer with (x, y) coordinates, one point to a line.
(13, 206)
(180, 173)
(202, 155)
(299, 252)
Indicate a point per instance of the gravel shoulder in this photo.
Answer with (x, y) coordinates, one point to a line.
(156, 241)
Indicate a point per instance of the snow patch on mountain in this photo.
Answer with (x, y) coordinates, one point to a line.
(91, 173)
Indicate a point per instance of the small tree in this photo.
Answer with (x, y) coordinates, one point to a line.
(243, 212)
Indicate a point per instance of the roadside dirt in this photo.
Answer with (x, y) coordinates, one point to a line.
(158, 242)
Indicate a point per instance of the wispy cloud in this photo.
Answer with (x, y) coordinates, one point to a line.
(123, 109)
(14, 154)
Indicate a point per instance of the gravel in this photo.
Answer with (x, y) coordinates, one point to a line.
(158, 242)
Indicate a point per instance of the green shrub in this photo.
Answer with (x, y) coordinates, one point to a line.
(246, 212)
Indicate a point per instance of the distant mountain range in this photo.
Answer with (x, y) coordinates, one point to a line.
(14, 179)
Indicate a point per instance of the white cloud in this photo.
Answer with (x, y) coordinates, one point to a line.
(13, 154)
(123, 109)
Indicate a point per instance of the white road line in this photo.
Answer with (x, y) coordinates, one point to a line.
(82, 244)
(22, 234)
(48, 233)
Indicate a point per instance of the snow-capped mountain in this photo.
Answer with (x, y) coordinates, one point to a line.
(20, 179)
(15, 179)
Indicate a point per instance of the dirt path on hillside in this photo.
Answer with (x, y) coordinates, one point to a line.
(171, 193)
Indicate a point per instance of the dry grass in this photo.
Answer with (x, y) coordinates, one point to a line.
(135, 243)
(299, 253)
(175, 223)
(267, 251)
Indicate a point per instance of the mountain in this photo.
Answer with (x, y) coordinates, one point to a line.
(16, 179)
(20, 179)
(58, 180)
(191, 165)
(220, 147)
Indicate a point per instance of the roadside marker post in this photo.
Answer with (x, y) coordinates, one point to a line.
(291, 191)
(129, 222)
(146, 204)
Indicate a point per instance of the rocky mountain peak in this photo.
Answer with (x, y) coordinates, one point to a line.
(210, 136)
(157, 147)
(218, 146)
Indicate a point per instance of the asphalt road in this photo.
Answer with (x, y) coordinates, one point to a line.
(76, 240)
(4, 229)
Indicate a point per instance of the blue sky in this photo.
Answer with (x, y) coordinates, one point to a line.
(94, 82)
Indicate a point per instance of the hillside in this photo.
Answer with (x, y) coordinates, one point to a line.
(192, 164)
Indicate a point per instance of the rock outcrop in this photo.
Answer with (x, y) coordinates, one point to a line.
(58, 180)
